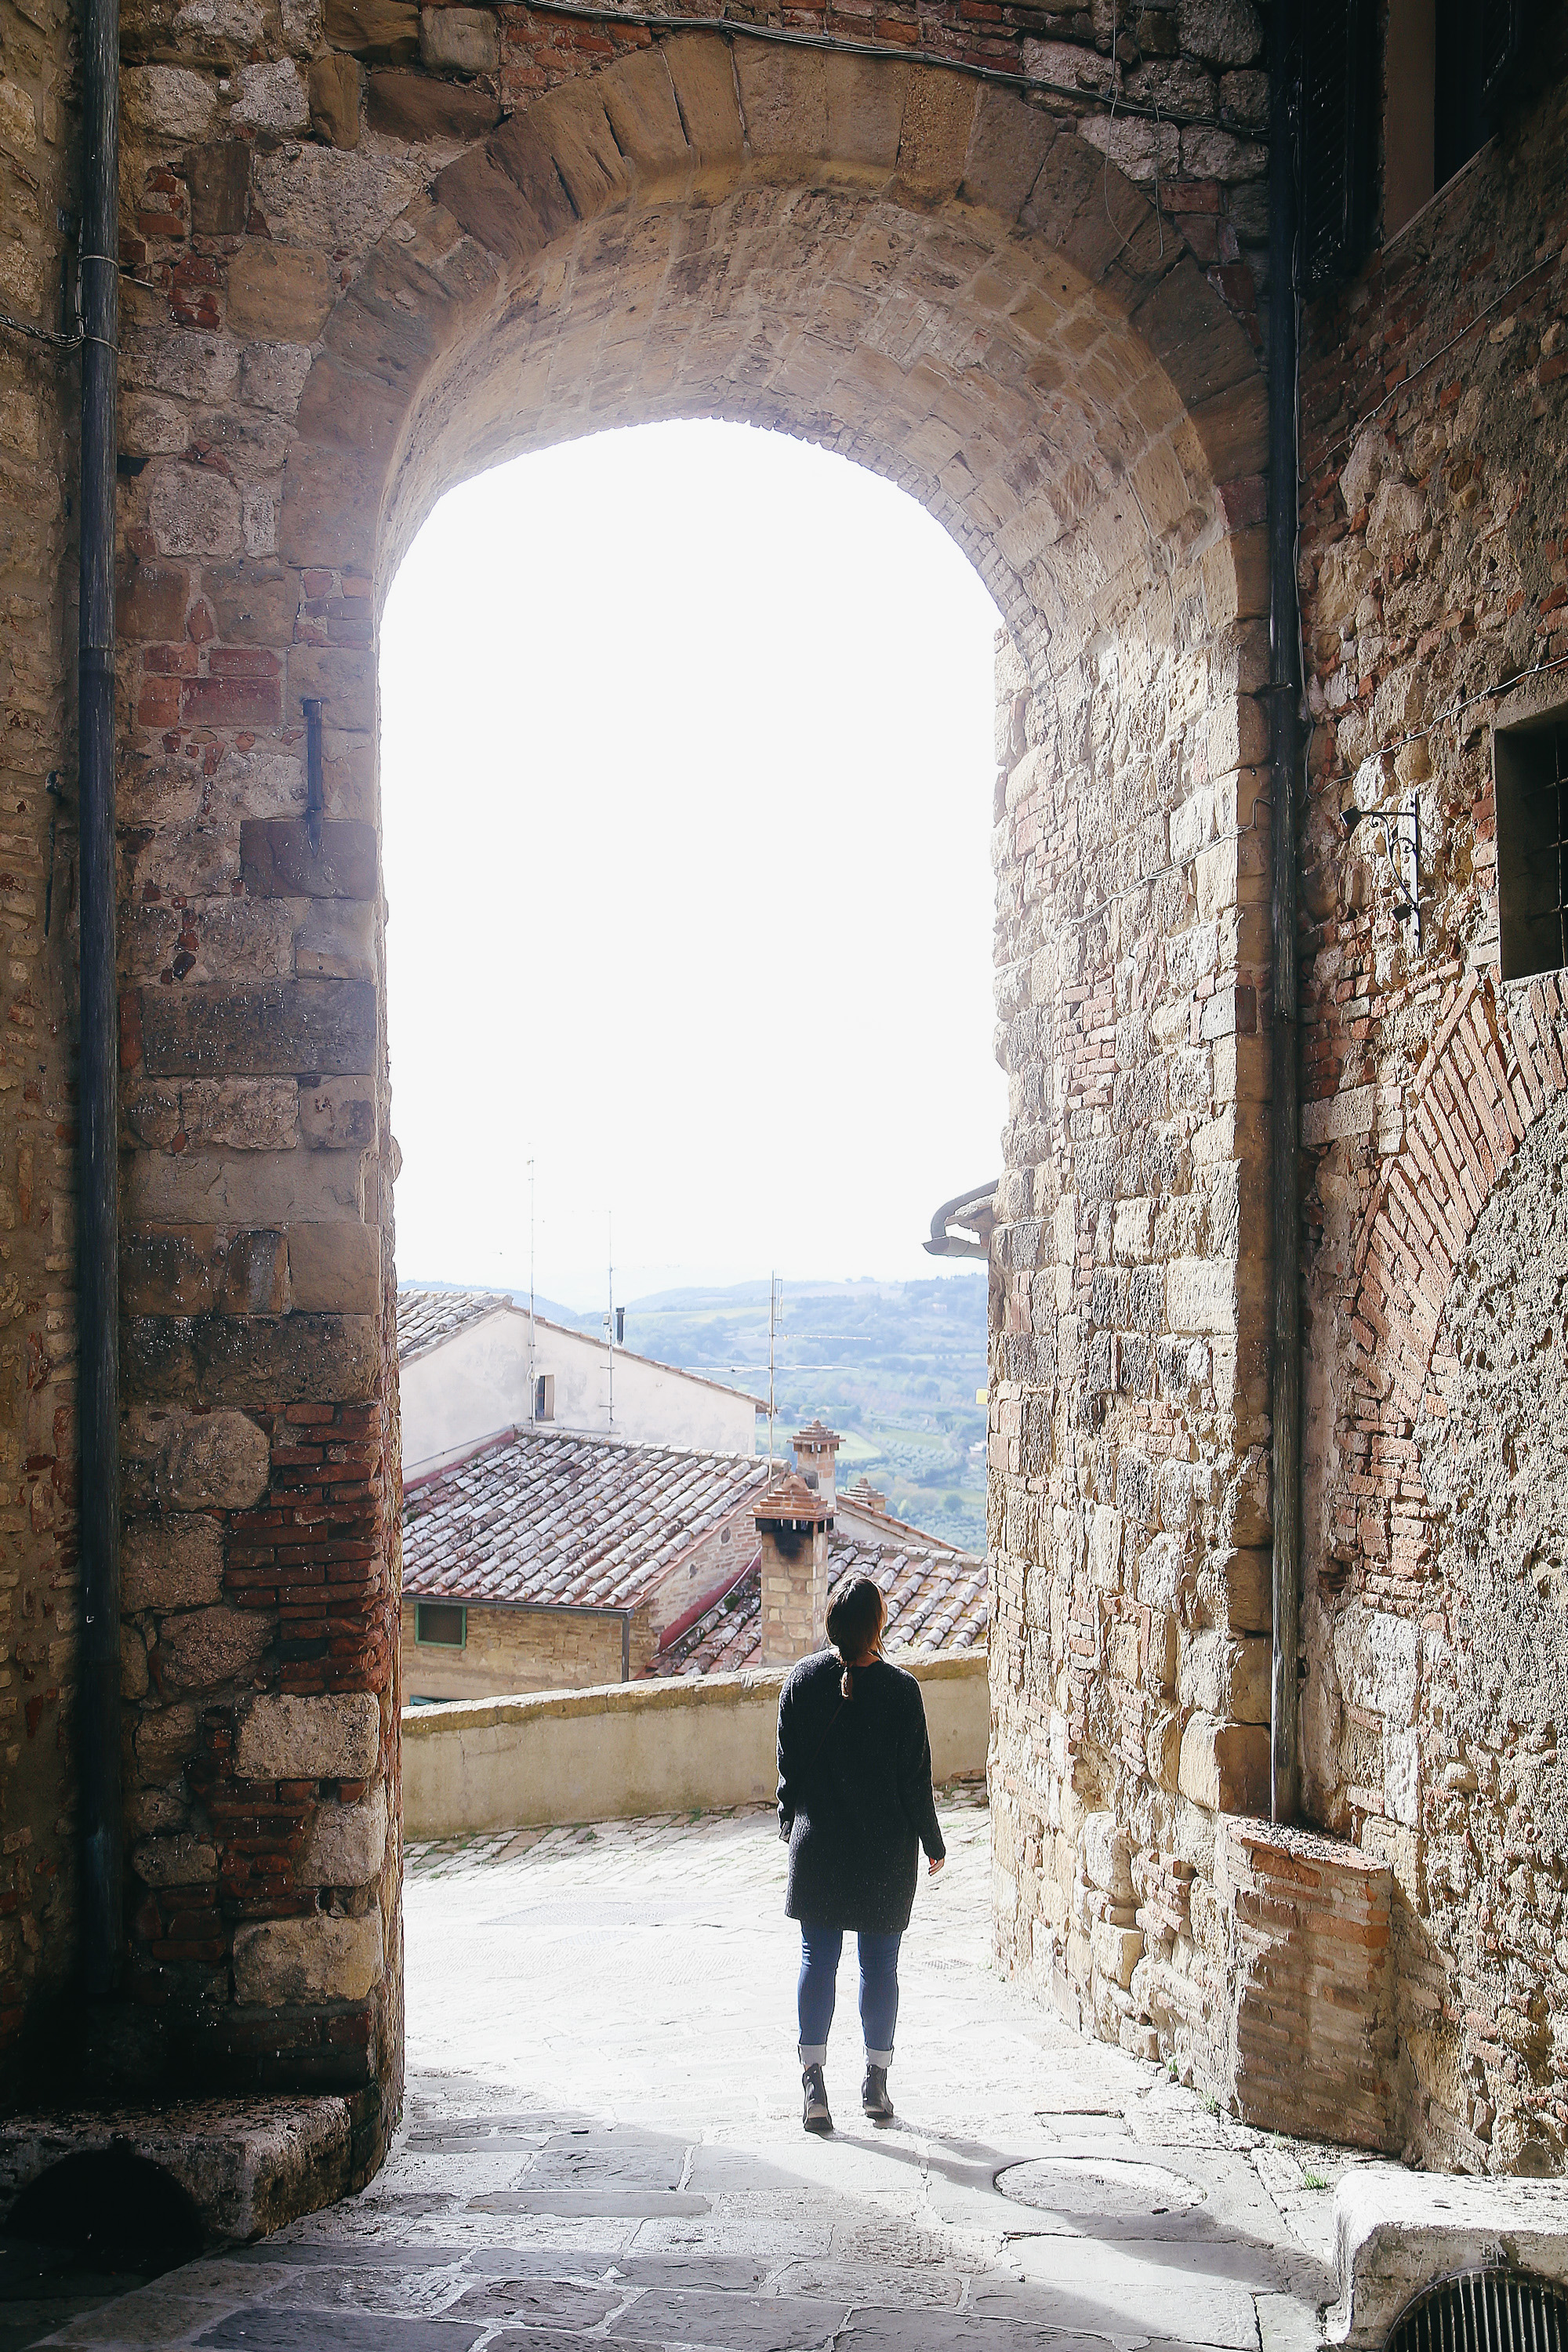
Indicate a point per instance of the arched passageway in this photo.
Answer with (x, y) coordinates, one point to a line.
(958, 290)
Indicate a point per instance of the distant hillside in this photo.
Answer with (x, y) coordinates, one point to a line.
(895, 1366)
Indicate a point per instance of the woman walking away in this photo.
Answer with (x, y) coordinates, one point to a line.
(855, 1806)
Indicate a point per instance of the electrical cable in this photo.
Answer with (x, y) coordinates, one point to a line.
(1466, 702)
(1220, 841)
(792, 38)
(1402, 386)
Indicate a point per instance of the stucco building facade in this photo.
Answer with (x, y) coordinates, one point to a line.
(367, 249)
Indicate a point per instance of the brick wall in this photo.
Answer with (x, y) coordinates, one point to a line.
(1435, 575)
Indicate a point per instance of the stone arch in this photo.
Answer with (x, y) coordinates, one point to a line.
(960, 289)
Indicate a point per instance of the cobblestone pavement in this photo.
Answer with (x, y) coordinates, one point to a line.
(602, 2144)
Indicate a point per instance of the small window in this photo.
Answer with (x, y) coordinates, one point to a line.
(440, 1624)
(1529, 773)
(1447, 68)
(544, 1397)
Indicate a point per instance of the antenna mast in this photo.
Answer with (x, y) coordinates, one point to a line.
(610, 1317)
(532, 1320)
(773, 1288)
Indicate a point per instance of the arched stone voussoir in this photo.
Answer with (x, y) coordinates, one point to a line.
(843, 116)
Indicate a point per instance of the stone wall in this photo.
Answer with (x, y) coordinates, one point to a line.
(38, 1611)
(369, 252)
(1435, 579)
(510, 1650)
(670, 1745)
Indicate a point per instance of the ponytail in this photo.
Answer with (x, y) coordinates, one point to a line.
(855, 1616)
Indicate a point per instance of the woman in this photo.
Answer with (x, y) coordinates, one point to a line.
(855, 1806)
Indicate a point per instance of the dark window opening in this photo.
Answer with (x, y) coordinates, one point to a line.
(544, 1397)
(443, 1624)
(1447, 67)
(1337, 80)
(1530, 772)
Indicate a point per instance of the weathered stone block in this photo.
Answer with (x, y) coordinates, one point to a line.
(458, 40)
(1115, 1952)
(170, 1563)
(335, 1268)
(212, 1461)
(1107, 1860)
(300, 1359)
(335, 88)
(347, 1843)
(169, 101)
(337, 941)
(338, 1115)
(1201, 1295)
(279, 293)
(704, 82)
(1224, 1766)
(260, 1188)
(194, 513)
(280, 1962)
(320, 1027)
(1008, 142)
(204, 1648)
(1222, 1675)
(278, 861)
(165, 1740)
(411, 106)
(272, 98)
(180, 1860)
(286, 1737)
(639, 99)
(387, 30)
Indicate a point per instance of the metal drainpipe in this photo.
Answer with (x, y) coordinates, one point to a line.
(1284, 684)
(99, 1205)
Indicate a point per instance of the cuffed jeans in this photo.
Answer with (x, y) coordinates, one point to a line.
(820, 1948)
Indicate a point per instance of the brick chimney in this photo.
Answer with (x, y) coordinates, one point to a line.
(816, 1459)
(793, 1523)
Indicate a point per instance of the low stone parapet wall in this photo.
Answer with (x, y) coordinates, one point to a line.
(664, 1747)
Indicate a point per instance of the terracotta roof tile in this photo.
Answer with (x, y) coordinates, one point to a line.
(585, 1521)
(937, 1600)
(424, 1318)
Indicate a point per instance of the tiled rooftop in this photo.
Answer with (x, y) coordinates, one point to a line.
(936, 1600)
(583, 1520)
(425, 1317)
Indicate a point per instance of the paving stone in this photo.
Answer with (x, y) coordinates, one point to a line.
(735, 2322)
(635, 2204)
(370, 2253)
(262, 2328)
(538, 2302)
(614, 2156)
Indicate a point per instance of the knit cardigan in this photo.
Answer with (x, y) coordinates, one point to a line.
(855, 1795)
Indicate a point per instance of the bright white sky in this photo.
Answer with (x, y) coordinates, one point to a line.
(685, 761)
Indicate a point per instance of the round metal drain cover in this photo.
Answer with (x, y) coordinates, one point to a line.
(1494, 2310)
(1099, 2188)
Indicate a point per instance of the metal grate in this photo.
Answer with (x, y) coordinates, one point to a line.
(1492, 2310)
(1532, 783)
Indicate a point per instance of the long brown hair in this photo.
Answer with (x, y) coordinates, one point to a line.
(855, 1619)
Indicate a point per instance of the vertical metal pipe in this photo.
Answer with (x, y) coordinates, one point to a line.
(98, 1205)
(1284, 683)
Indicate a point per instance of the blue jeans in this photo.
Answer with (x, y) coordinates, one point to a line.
(819, 1953)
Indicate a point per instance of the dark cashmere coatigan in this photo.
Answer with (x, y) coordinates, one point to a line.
(855, 1795)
